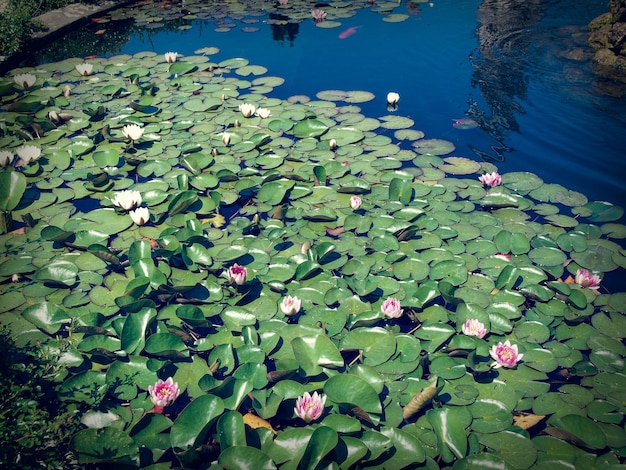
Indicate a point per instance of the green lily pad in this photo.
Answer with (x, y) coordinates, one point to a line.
(434, 146)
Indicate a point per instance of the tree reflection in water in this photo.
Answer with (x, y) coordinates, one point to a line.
(499, 68)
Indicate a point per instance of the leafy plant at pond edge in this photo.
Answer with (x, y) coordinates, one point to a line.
(406, 302)
(36, 427)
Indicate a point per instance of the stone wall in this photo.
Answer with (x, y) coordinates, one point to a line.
(607, 37)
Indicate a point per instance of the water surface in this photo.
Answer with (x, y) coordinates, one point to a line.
(520, 69)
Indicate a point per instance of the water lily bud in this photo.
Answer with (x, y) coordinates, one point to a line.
(332, 143)
(223, 97)
(226, 138)
(140, 216)
(170, 57)
(237, 274)
(355, 202)
(393, 98)
(391, 308)
(67, 91)
(236, 123)
(84, 69)
(310, 407)
(6, 158)
(214, 152)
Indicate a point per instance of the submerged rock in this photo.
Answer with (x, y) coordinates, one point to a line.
(607, 37)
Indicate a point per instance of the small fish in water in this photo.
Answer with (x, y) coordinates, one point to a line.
(464, 123)
(348, 32)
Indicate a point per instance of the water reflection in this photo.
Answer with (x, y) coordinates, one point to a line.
(499, 73)
(283, 28)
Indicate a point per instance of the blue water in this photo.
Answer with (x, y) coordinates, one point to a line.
(498, 61)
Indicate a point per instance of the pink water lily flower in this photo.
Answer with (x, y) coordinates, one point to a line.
(310, 407)
(290, 305)
(355, 202)
(318, 14)
(474, 327)
(391, 308)
(163, 393)
(505, 355)
(491, 179)
(237, 274)
(586, 279)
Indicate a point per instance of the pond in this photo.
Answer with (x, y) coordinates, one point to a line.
(521, 70)
(236, 237)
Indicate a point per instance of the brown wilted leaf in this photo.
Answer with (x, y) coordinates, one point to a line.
(527, 420)
(333, 232)
(256, 422)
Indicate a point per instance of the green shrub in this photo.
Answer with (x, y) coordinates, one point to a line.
(35, 427)
(17, 22)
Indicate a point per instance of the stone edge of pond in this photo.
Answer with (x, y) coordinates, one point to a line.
(58, 22)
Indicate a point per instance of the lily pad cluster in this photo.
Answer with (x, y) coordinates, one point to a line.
(247, 16)
(125, 303)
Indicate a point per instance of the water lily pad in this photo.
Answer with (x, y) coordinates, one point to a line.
(251, 70)
(547, 256)
(434, 146)
(521, 181)
(597, 257)
(396, 122)
(604, 212)
(459, 166)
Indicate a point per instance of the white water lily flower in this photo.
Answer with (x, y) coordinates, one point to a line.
(84, 69)
(290, 305)
(132, 131)
(25, 80)
(28, 153)
(127, 199)
(170, 57)
(263, 113)
(247, 109)
(393, 98)
(6, 158)
(140, 216)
